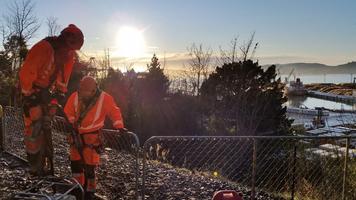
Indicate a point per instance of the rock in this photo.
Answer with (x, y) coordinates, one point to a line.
(116, 179)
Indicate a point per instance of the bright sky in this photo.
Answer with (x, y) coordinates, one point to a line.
(287, 30)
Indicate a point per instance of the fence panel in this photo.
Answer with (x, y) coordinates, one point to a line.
(13, 131)
(195, 167)
(260, 167)
(118, 172)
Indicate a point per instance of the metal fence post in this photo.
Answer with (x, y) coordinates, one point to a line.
(294, 169)
(137, 172)
(2, 129)
(144, 170)
(137, 163)
(254, 158)
(344, 184)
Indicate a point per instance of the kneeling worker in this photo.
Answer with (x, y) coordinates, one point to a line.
(87, 109)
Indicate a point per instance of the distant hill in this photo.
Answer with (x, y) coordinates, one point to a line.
(316, 68)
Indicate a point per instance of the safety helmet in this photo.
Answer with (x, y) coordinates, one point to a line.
(87, 87)
(73, 36)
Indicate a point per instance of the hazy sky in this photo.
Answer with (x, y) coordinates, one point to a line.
(287, 31)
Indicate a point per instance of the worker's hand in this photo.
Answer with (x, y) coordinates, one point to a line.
(60, 96)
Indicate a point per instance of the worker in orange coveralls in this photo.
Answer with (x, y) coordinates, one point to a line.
(43, 78)
(86, 110)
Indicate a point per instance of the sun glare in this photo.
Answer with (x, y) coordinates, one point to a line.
(130, 42)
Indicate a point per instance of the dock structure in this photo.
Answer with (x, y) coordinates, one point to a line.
(332, 97)
(303, 111)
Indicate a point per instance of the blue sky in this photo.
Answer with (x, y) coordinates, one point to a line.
(287, 31)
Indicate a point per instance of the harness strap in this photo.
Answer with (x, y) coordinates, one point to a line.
(93, 101)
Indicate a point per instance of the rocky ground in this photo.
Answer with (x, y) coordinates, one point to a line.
(340, 89)
(13, 177)
(117, 181)
(167, 182)
(116, 177)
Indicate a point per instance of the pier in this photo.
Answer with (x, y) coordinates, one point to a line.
(332, 97)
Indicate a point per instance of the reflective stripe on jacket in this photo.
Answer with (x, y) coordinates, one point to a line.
(95, 117)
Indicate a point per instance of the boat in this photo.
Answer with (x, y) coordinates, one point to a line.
(296, 88)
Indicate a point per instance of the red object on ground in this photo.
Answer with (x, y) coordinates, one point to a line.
(227, 195)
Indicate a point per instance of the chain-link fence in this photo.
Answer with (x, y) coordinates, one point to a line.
(118, 172)
(195, 167)
(261, 167)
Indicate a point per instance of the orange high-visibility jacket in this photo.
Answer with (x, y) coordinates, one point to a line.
(95, 117)
(39, 66)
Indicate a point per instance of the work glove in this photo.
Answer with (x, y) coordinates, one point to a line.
(60, 96)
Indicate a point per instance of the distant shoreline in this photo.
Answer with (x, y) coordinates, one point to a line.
(315, 68)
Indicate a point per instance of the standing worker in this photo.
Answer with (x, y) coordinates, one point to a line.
(43, 78)
(86, 110)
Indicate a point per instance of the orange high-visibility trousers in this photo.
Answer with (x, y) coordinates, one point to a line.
(84, 174)
(38, 141)
(32, 137)
(83, 170)
(91, 142)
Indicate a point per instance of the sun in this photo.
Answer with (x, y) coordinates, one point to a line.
(130, 42)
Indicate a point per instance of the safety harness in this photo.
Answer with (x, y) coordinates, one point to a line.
(93, 100)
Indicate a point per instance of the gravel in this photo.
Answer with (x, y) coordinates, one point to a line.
(116, 177)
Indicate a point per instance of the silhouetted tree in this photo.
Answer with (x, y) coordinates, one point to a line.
(155, 82)
(148, 94)
(245, 99)
(16, 49)
(6, 78)
(147, 106)
(5, 63)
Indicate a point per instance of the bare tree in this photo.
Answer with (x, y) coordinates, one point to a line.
(3, 34)
(229, 56)
(247, 51)
(19, 25)
(199, 65)
(20, 20)
(53, 26)
(246, 48)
